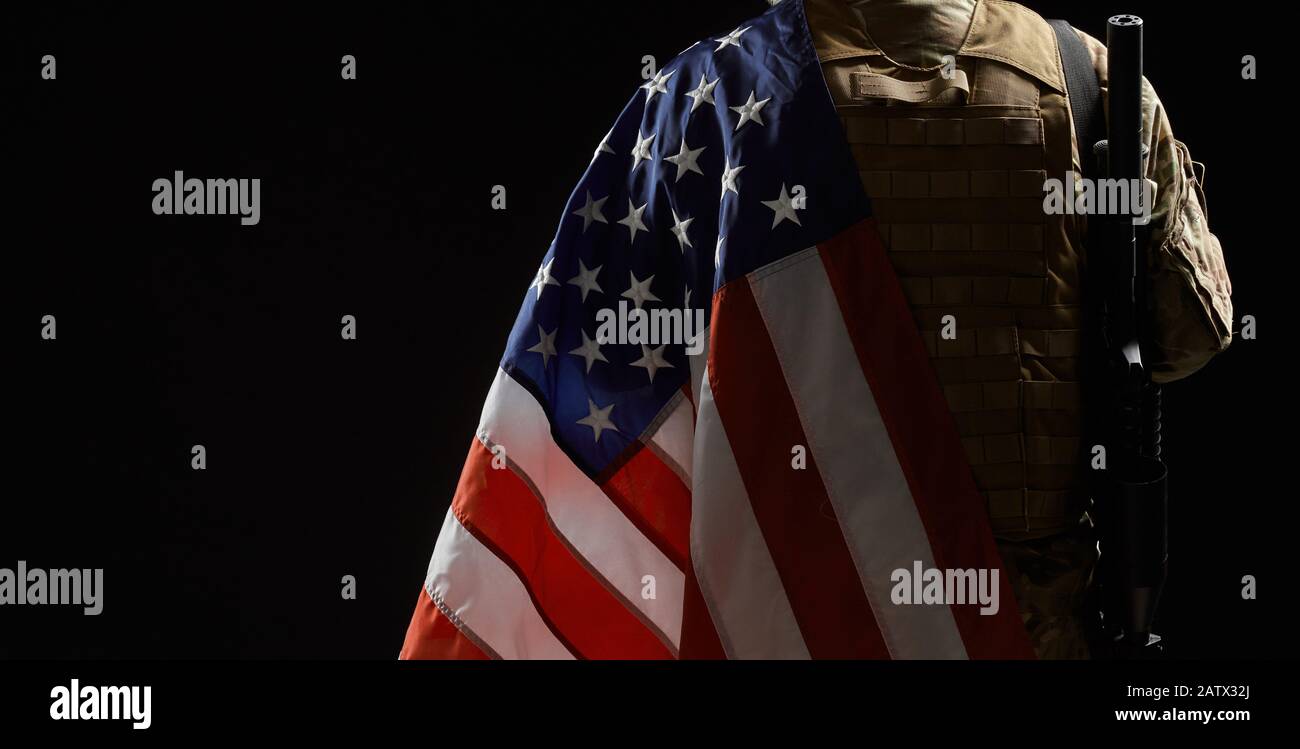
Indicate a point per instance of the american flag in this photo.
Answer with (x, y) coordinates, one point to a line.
(634, 501)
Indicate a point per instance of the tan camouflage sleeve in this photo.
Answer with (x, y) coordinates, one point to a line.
(1190, 294)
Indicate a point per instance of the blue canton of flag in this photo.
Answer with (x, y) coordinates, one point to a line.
(714, 168)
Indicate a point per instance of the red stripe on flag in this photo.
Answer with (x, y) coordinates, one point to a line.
(699, 639)
(654, 498)
(431, 635)
(501, 510)
(791, 505)
(922, 429)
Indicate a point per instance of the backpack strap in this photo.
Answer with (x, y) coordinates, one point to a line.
(1083, 90)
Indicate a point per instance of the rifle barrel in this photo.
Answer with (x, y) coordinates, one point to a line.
(1124, 96)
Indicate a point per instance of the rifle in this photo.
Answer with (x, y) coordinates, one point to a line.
(1130, 495)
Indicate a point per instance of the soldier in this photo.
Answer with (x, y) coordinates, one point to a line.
(957, 117)
(957, 112)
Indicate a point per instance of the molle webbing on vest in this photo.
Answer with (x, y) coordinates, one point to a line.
(949, 131)
(957, 191)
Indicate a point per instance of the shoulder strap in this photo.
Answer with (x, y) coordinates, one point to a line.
(1083, 90)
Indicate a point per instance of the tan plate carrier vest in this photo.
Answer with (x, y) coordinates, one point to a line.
(955, 166)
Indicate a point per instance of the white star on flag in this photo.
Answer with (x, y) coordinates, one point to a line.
(783, 208)
(639, 292)
(544, 278)
(598, 418)
(586, 279)
(729, 178)
(545, 346)
(679, 230)
(603, 147)
(633, 219)
(590, 351)
(591, 212)
(750, 110)
(730, 40)
(641, 151)
(652, 360)
(702, 93)
(656, 85)
(686, 160)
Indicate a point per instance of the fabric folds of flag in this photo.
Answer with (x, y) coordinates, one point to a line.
(749, 490)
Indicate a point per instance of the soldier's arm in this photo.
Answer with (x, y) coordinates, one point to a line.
(1190, 294)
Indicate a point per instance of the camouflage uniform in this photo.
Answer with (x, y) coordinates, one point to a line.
(954, 156)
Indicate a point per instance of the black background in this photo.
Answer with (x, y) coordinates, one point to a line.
(329, 457)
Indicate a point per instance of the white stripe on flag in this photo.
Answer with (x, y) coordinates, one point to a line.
(852, 450)
(737, 576)
(487, 597)
(593, 526)
(675, 437)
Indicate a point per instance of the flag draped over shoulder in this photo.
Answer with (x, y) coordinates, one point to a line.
(746, 491)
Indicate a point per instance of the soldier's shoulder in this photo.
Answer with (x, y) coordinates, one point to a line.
(1010, 8)
(715, 69)
(1014, 16)
(1015, 35)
